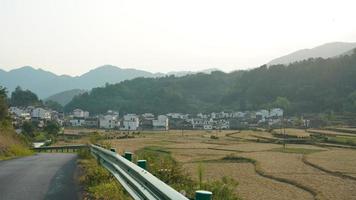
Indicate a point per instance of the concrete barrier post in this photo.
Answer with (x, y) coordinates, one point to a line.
(142, 164)
(128, 155)
(203, 195)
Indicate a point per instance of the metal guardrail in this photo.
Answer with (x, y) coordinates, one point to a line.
(138, 182)
(67, 148)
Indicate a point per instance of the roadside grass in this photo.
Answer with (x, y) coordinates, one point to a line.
(12, 145)
(14, 151)
(98, 183)
(296, 150)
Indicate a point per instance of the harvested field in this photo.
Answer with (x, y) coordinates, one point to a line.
(337, 160)
(251, 185)
(290, 167)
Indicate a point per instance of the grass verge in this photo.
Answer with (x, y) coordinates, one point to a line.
(98, 183)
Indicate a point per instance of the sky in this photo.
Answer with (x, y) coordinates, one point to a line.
(73, 36)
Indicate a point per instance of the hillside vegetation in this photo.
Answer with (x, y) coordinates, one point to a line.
(11, 144)
(310, 86)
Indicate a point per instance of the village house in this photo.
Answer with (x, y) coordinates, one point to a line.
(91, 122)
(40, 113)
(79, 113)
(77, 122)
(130, 122)
(262, 115)
(109, 122)
(148, 116)
(276, 112)
(197, 123)
(161, 123)
(208, 124)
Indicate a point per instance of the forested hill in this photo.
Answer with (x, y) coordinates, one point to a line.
(314, 85)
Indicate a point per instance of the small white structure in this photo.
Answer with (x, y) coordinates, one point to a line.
(40, 113)
(261, 115)
(177, 115)
(161, 122)
(18, 112)
(208, 124)
(109, 122)
(77, 122)
(131, 122)
(276, 112)
(148, 116)
(79, 113)
(238, 115)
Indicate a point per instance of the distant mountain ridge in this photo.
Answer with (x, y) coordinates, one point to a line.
(65, 97)
(46, 84)
(328, 50)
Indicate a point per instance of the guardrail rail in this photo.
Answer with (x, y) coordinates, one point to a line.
(137, 181)
(67, 148)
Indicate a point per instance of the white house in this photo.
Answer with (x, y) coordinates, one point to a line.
(148, 116)
(261, 115)
(238, 115)
(208, 124)
(77, 122)
(40, 113)
(276, 112)
(18, 112)
(130, 122)
(79, 113)
(109, 122)
(161, 122)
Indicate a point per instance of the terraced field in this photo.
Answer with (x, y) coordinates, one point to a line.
(267, 170)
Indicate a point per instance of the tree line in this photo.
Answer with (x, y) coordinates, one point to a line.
(309, 86)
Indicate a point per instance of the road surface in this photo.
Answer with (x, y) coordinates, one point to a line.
(42, 176)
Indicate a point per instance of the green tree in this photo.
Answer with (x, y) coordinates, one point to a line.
(52, 128)
(282, 102)
(21, 97)
(3, 104)
(28, 129)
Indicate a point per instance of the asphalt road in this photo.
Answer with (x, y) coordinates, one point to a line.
(42, 176)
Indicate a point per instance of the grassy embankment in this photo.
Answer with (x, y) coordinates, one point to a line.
(98, 183)
(12, 144)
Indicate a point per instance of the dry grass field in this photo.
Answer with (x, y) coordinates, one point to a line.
(300, 171)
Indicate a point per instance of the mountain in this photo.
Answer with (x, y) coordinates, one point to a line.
(46, 84)
(65, 97)
(310, 86)
(328, 50)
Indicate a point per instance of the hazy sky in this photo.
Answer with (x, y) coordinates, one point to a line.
(74, 36)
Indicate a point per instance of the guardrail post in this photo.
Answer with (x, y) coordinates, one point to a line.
(128, 155)
(142, 164)
(203, 195)
(113, 149)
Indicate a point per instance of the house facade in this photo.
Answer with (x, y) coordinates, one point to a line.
(161, 123)
(130, 122)
(109, 122)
